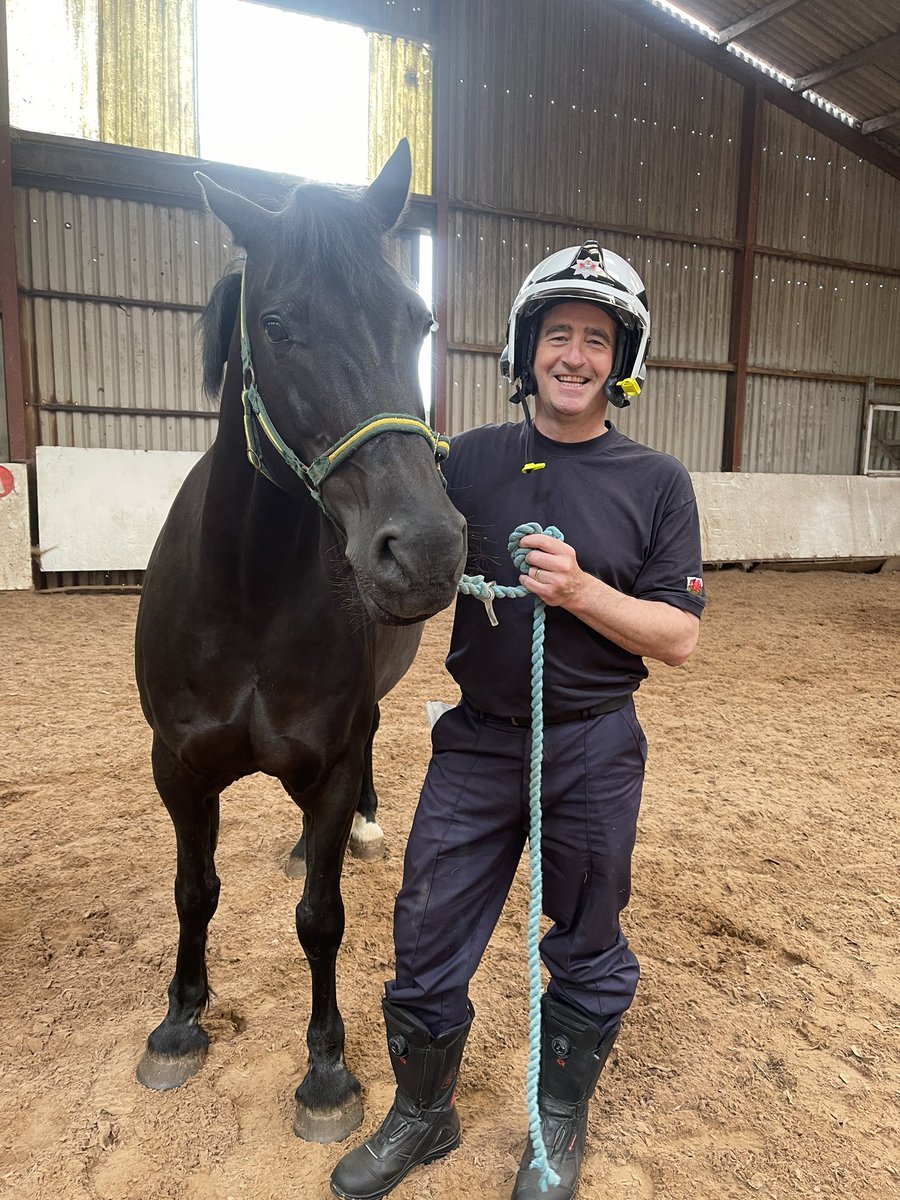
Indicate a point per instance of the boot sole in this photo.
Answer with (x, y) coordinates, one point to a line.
(423, 1162)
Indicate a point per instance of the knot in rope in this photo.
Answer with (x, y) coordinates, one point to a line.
(488, 592)
(475, 585)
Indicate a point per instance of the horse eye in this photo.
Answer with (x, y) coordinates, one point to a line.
(274, 329)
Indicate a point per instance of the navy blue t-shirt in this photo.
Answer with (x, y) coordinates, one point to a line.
(631, 516)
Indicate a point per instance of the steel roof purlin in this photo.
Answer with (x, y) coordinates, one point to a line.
(842, 76)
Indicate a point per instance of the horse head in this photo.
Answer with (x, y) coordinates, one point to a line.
(331, 348)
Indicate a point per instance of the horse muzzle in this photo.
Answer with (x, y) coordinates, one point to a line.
(408, 570)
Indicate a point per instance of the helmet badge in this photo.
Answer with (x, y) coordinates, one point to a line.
(587, 268)
(588, 262)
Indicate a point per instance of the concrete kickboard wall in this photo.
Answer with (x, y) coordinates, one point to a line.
(780, 518)
(101, 510)
(15, 532)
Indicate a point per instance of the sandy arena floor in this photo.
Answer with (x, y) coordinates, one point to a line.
(760, 1058)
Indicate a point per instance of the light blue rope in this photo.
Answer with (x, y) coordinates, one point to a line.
(475, 585)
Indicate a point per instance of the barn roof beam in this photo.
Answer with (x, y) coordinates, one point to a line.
(859, 58)
(775, 9)
(882, 122)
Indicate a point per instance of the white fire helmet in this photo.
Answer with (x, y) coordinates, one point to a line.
(601, 277)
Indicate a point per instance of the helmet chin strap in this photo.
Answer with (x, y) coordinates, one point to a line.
(520, 397)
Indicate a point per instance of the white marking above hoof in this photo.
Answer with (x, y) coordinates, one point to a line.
(366, 839)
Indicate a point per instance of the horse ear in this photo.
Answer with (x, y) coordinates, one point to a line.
(389, 192)
(242, 216)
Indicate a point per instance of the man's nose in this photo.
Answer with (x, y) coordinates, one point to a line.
(574, 356)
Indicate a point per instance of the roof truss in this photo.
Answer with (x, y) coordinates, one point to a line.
(775, 9)
(850, 62)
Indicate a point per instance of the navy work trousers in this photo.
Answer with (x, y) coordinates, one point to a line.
(466, 841)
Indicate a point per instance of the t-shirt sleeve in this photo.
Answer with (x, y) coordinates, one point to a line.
(673, 570)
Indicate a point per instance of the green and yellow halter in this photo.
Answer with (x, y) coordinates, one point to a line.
(256, 417)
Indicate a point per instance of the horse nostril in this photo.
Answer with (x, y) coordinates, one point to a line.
(384, 551)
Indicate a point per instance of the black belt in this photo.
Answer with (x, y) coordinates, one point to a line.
(613, 704)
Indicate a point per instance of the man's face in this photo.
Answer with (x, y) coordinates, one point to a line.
(574, 355)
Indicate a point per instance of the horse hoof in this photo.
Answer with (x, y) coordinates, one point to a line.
(295, 868)
(163, 1074)
(332, 1126)
(367, 851)
(366, 840)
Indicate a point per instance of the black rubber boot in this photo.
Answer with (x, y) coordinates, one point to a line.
(572, 1056)
(422, 1123)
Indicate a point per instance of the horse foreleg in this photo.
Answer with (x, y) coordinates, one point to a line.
(328, 1105)
(367, 836)
(176, 1049)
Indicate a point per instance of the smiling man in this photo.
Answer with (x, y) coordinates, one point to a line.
(625, 584)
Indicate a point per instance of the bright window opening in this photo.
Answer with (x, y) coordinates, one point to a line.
(282, 92)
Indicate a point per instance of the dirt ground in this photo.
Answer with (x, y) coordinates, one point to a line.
(760, 1057)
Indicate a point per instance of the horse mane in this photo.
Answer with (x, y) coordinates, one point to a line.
(330, 233)
(216, 327)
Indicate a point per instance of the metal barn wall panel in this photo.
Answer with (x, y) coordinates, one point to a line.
(476, 393)
(689, 286)
(576, 111)
(802, 426)
(401, 74)
(125, 358)
(111, 295)
(813, 194)
(96, 245)
(147, 86)
(681, 413)
(808, 317)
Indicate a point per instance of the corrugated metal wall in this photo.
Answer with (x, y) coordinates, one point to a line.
(572, 113)
(147, 81)
(400, 105)
(815, 193)
(818, 199)
(803, 426)
(571, 110)
(112, 290)
(612, 127)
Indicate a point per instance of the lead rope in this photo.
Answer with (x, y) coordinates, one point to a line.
(475, 585)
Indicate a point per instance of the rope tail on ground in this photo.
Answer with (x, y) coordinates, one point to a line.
(475, 585)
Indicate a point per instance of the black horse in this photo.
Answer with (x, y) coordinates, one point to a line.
(287, 590)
